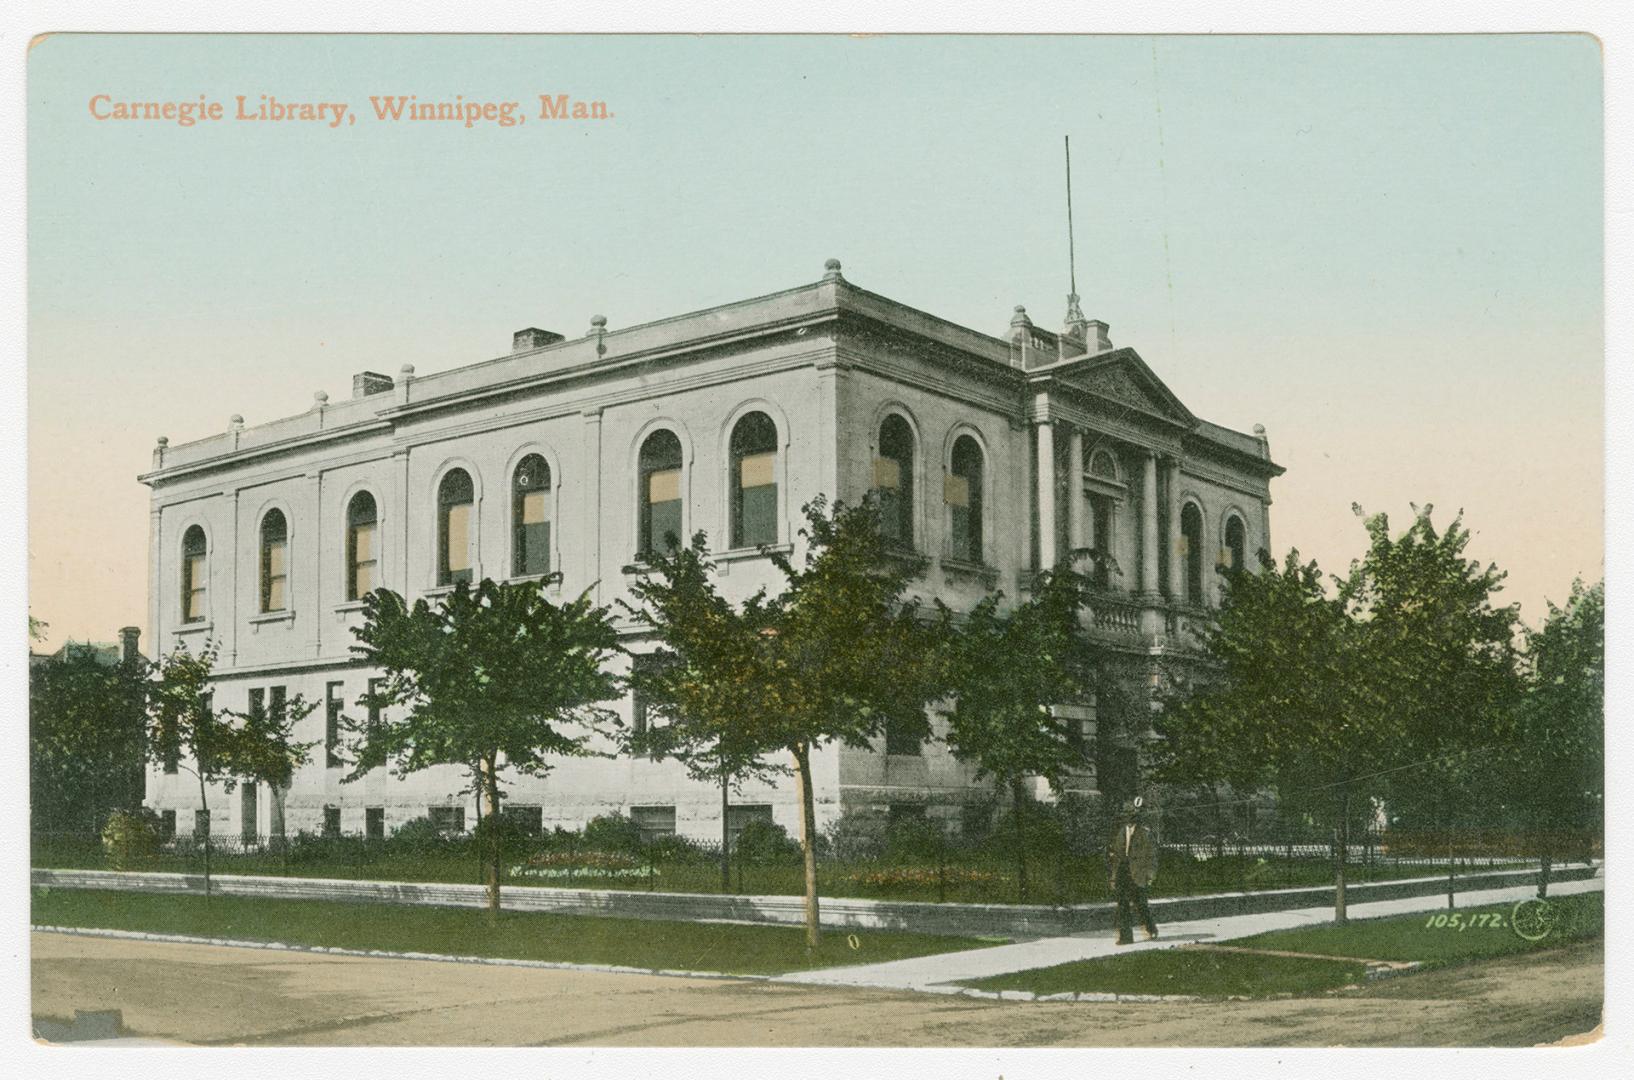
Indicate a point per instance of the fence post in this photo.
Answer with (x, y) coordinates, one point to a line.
(941, 866)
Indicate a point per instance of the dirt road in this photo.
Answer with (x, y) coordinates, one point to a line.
(217, 995)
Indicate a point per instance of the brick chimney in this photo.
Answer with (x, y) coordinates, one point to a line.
(365, 383)
(128, 637)
(533, 338)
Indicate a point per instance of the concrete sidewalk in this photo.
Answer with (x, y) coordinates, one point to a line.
(935, 973)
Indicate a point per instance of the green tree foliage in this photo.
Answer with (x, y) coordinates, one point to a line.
(682, 684)
(1286, 707)
(491, 678)
(1397, 684)
(85, 739)
(1007, 670)
(1558, 769)
(834, 657)
(1443, 660)
(218, 746)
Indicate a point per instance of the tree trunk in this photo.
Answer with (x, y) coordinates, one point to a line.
(808, 841)
(1018, 800)
(490, 796)
(1545, 863)
(1343, 835)
(204, 801)
(726, 834)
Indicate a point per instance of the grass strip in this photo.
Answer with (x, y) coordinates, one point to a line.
(1211, 973)
(581, 939)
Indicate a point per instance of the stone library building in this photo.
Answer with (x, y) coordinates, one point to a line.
(991, 455)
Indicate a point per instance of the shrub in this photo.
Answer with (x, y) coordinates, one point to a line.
(915, 838)
(612, 832)
(1044, 829)
(762, 841)
(670, 848)
(513, 835)
(130, 837)
(420, 834)
(855, 836)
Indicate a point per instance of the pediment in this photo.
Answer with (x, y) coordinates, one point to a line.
(1123, 377)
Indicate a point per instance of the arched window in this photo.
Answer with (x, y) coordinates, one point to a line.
(1191, 550)
(1101, 464)
(754, 481)
(455, 499)
(1234, 554)
(195, 574)
(660, 493)
(893, 480)
(274, 561)
(530, 517)
(362, 546)
(1100, 538)
(964, 499)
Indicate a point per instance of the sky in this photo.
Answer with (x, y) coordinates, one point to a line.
(1387, 250)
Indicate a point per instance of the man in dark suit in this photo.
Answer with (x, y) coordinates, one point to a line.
(1131, 864)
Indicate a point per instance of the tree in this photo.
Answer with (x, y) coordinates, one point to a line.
(1441, 657)
(496, 677)
(1393, 685)
(1558, 768)
(693, 690)
(1286, 707)
(218, 746)
(834, 657)
(1007, 671)
(85, 731)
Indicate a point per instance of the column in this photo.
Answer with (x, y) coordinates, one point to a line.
(1046, 495)
(314, 593)
(1171, 511)
(1148, 525)
(155, 532)
(1077, 533)
(230, 632)
(402, 510)
(590, 520)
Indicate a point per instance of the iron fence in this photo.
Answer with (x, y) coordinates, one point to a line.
(1054, 861)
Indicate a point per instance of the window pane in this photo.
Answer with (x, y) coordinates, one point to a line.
(363, 543)
(664, 486)
(665, 518)
(759, 516)
(956, 490)
(960, 525)
(533, 508)
(533, 549)
(195, 586)
(887, 473)
(757, 470)
(458, 556)
(275, 594)
(364, 580)
(275, 559)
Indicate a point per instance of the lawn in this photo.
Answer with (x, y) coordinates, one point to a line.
(1224, 974)
(743, 950)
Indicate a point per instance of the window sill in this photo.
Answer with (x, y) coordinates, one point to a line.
(538, 579)
(348, 607)
(959, 569)
(740, 554)
(272, 617)
(194, 628)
